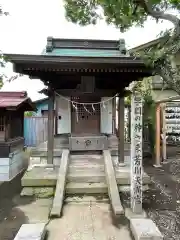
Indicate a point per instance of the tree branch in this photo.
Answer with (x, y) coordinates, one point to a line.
(159, 14)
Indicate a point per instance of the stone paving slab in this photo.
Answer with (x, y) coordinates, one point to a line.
(91, 221)
(35, 231)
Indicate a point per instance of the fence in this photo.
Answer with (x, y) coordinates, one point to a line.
(35, 130)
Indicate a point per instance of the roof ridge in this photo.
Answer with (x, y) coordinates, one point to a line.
(13, 94)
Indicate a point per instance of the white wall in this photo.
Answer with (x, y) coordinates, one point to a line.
(106, 116)
(63, 110)
(12, 165)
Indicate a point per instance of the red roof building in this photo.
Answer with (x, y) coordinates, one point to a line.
(14, 100)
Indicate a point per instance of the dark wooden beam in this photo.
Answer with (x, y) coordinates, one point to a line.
(97, 92)
(50, 142)
(114, 115)
(121, 130)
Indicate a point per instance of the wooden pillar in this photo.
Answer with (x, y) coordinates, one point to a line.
(50, 142)
(158, 137)
(121, 131)
(129, 123)
(164, 150)
(114, 115)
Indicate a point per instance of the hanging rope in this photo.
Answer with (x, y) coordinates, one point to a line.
(83, 103)
(75, 104)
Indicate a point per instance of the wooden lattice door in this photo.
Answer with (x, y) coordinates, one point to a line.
(85, 118)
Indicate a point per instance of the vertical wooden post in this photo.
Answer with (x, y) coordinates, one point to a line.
(158, 137)
(114, 115)
(129, 123)
(50, 142)
(121, 131)
(164, 151)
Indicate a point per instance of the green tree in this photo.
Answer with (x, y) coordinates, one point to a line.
(127, 13)
(28, 114)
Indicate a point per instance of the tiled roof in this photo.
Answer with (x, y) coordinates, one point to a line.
(83, 53)
(84, 48)
(12, 99)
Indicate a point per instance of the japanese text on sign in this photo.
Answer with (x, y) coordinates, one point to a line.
(136, 153)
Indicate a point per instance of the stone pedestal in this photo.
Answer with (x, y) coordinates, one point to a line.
(144, 229)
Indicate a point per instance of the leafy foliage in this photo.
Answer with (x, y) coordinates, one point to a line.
(122, 13)
(28, 114)
(127, 13)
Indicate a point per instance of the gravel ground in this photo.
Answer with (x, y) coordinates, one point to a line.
(15, 210)
(164, 204)
(8, 210)
(162, 201)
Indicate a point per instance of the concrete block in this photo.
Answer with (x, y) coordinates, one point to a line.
(88, 188)
(127, 188)
(57, 161)
(112, 184)
(86, 177)
(43, 160)
(75, 199)
(31, 231)
(129, 214)
(40, 192)
(35, 160)
(4, 169)
(77, 143)
(27, 191)
(60, 185)
(4, 177)
(144, 229)
(4, 162)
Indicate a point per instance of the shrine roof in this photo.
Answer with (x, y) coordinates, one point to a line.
(84, 53)
(15, 99)
(78, 51)
(64, 56)
(84, 48)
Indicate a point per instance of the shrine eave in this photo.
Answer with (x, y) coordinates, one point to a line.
(45, 62)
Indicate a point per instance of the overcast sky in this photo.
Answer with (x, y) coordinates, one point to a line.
(32, 21)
